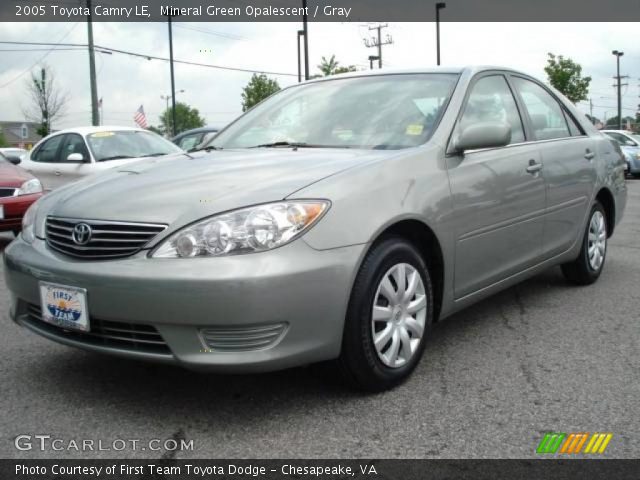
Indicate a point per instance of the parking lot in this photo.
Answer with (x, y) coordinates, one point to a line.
(543, 356)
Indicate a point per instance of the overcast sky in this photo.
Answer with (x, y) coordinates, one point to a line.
(126, 82)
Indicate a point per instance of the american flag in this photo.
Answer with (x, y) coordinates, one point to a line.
(140, 118)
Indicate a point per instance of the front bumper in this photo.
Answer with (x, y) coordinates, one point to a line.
(14, 209)
(304, 290)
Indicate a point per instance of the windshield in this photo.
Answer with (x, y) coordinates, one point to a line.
(382, 112)
(111, 145)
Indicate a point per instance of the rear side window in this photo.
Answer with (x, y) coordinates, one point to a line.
(546, 115)
(47, 152)
(491, 100)
(574, 128)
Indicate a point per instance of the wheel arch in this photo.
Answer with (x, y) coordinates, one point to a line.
(426, 241)
(605, 197)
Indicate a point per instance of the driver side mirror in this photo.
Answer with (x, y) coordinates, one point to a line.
(75, 157)
(13, 159)
(482, 135)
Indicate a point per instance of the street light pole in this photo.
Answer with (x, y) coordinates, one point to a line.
(173, 83)
(439, 6)
(619, 85)
(300, 34)
(305, 30)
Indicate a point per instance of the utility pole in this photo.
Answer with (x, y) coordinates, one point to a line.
(95, 114)
(173, 83)
(591, 107)
(305, 31)
(300, 34)
(439, 6)
(374, 42)
(619, 86)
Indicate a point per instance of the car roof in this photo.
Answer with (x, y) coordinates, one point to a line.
(101, 128)
(624, 132)
(471, 69)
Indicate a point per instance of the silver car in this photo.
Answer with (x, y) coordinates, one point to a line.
(630, 145)
(338, 220)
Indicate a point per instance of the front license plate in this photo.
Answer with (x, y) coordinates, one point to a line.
(64, 306)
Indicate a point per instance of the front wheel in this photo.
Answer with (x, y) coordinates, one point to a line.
(586, 269)
(390, 314)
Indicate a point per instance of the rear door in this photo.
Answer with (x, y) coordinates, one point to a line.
(568, 155)
(498, 194)
(43, 161)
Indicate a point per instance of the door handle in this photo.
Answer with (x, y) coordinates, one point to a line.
(589, 155)
(534, 167)
(57, 173)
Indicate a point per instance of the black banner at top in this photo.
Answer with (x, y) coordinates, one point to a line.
(320, 10)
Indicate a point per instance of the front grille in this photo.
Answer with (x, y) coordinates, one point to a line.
(240, 339)
(120, 335)
(7, 192)
(108, 240)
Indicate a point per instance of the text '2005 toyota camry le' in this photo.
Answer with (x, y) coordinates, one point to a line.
(336, 220)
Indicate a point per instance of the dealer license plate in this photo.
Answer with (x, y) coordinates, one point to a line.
(64, 306)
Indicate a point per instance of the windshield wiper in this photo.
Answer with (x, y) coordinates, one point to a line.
(208, 148)
(115, 157)
(287, 144)
(158, 154)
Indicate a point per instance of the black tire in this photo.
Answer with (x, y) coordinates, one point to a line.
(635, 175)
(580, 271)
(359, 361)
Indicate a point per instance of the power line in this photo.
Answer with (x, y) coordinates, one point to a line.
(227, 36)
(42, 57)
(154, 57)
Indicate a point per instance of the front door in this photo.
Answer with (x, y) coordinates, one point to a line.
(498, 195)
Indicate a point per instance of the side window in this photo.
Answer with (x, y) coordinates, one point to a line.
(620, 139)
(547, 118)
(46, 152)
(74, 143)
(190, 141)
(491, 100)
(574, 128)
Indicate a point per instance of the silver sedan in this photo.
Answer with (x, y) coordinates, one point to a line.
(338, 220)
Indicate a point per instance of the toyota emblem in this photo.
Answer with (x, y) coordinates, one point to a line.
(81, 234)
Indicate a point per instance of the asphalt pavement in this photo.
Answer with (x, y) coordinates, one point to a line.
(542, 356)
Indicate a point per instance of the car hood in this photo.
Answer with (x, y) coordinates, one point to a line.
(12, 176)
(184, 188)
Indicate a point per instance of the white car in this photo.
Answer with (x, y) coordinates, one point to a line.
(69, 155)
(13, 152)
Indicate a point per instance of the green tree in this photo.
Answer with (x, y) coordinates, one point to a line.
(186, 118)
(258, 88)
(565, 75)
(3, 141)
(332, 67)
(47, 102)
(613, 121)
(155, 129)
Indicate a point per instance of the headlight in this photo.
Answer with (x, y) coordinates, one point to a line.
(247, 230)
(30, 186)
(28, 221)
